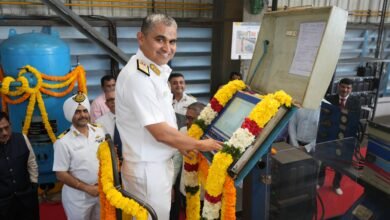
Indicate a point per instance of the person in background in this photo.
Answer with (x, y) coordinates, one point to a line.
(99, 107)
(192, 114)
(347, 102)
(18, 175)
(180, 99)
(303, 127)
(235, 75)
(76, 163)
(146, 120)
(108, 122)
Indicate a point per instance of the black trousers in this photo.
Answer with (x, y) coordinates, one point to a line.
(21, 205)
(336, 179)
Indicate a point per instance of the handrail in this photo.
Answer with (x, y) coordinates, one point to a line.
(118, 185)
(72, 18)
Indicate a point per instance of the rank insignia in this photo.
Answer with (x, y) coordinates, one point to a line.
(63, 133)
(141, 66)
(155, 69)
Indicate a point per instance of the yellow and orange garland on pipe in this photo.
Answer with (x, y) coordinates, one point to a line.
(110, 197)
(34, 94)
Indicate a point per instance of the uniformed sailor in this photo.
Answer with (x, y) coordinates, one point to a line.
(145, 117)
(76, 163)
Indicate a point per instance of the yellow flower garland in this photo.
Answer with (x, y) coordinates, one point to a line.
(35, 93)
(217, 180)
(261, 114)
(115, 198)
(218, 173)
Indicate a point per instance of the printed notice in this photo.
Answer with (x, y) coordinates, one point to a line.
(309, 40)
(244, 38)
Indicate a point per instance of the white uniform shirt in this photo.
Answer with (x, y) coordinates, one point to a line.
(180, 107)
(108, 122)
(143, 100)
(303, 127)
(78, 154)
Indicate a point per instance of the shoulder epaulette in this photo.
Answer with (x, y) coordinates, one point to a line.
(143, 67)
(96, 125)
(191, 96)
(155, 69)
(63, 133)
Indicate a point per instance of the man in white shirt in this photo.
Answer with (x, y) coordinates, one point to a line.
(76, 163)
(303, 127)
(181, 100)
(98, 106)
(145, 117)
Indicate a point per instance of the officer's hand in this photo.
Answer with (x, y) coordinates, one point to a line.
(210, 145)
(189, 153)
(92, 190)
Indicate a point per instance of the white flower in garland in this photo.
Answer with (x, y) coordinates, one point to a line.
(211, 210)
(208, 114)
(241, 139)
(191, 179)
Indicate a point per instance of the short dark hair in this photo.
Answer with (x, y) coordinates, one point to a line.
(149, 21)
(197, 107)
(174, 75)
(4, 115)
(346, 81)
(235, 74)
(106, 78)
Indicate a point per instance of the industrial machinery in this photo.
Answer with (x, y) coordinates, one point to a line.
(48, 54)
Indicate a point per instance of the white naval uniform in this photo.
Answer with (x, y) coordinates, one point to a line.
(143, 99)
(78, 154)
(108, 122)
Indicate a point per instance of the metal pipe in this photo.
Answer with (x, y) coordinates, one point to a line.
(378, 50)
(72, 18)
(115, 6)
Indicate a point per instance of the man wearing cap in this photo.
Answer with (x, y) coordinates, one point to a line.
(76, 163)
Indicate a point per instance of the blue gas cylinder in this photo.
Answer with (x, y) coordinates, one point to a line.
(50, 55)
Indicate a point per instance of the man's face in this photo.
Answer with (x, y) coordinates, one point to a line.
(109, 86)
(344, 90)
(5, 130)
(159, 44)
(110, 101)
(191, 115)
(80, 117)
(178, 85)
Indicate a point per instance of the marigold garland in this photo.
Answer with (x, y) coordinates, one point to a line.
(220, 190)
(34, 93)
(196, 131)
(110, 196)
